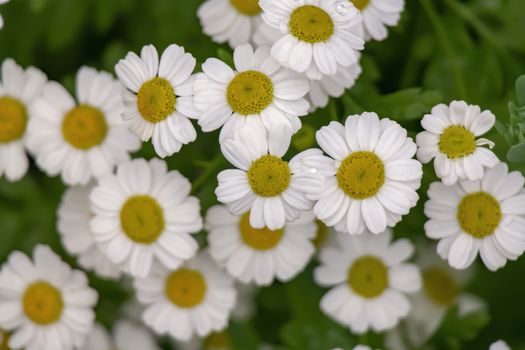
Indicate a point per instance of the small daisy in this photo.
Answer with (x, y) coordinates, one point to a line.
(499, 345)
(264, 184)
(18, 91)
(143, 214)
(370, 278)
(46, 304)
(74, 215)
(193, 300)
(126, 336)
(317, 37)
(84, 139)
(259, 91)
(158, 98)
(485, 216)
(259, 255)
(1, 19)
(371, 178)
(377, 15)
(450, 139)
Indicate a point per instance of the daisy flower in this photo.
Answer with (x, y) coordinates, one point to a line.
(74, 216)
(499, 345)
(195, 299)
(485, 216)
(44, 303)
(1, 19)
(144, 213)
(369, 277)
(371, 178)
(158, 98)
(19, 89)
(263, 184)
(81, 139)
(259, 255)
(450, 139)
(317, 37)
(258, 91)
(377, 16)
(126, 336)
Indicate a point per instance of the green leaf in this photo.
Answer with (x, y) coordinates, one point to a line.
(456, 329)
(516, 153)
(318, 334)
(520, 90)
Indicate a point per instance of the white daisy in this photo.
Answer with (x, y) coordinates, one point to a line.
(499, 345)
(450, 139)
(74, 215)
(81, 139)
(195, 299)
(259, 91)
(377, 16)
(485, 216)
(317, 37)
(18, 91)
(143, 214)
(1, 19)
(158, 98)
(268, 187)
(44, 303)
(371, 178)
(266, 35)
(126, 336)
(370, 278)
(259, 255)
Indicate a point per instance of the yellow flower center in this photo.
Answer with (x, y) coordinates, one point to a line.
(4, 344)
(368, 277)
(250, 92)
(156, 100)
(311, 24)
(43, 303)
(457, 142)
(13, 119)
(218, 340)
(84, 127)
(360, 4)
(259, 239)
(321, 234)
(479, 214)
(269, 176)
(186, 288)
(440, 286)
(361, 175)
(247, 7)
(142, 219)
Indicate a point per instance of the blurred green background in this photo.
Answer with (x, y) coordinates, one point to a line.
(441, 50)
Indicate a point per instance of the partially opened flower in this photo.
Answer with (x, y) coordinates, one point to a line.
(126, 336)
(377, 16)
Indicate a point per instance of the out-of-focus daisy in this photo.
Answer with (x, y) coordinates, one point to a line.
(158, 98)
(126, 336)
(499, 345)
(1, 19)
(450, 139)
(44, 303)
(485, 216)
(19, 89)
(74, 215)
(371, 178)
(259, 255)
(377, 16)
(259, 91)
(370, 276)
(143, 214)
(193, 300)
(264, 184)
(81, 139)
(317, 37)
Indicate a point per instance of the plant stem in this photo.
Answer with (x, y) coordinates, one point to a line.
(211, 169)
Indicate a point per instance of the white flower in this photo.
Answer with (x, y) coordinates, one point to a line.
(126, 336)
(259, 91)
(158, 98)
(44, 303)
(143, 214)
(317, 37)
(485, 216)
(1, 19)
(18, 91)
(195, 299)
(370, 277)
(266, 35)
(450, 137)
(270, 188)
(74, 215)
(259, 255)
(371, 178)
(377, 15)
(499, 345)
(81, 139)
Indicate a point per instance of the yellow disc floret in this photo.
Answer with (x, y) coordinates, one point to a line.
(457, 142)
(247, 7)
(84, 127)
(361, 174)
(250, 92)
(156, 100)
(368, 276)
(311, 24)
(13, 119)
(186, 288)
(259, 239)
(269, 176)
(360, 4)
(142, 219)
(479, 214)
(440, 286)
(42, 303)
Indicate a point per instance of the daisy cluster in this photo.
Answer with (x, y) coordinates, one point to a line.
(337, 203)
